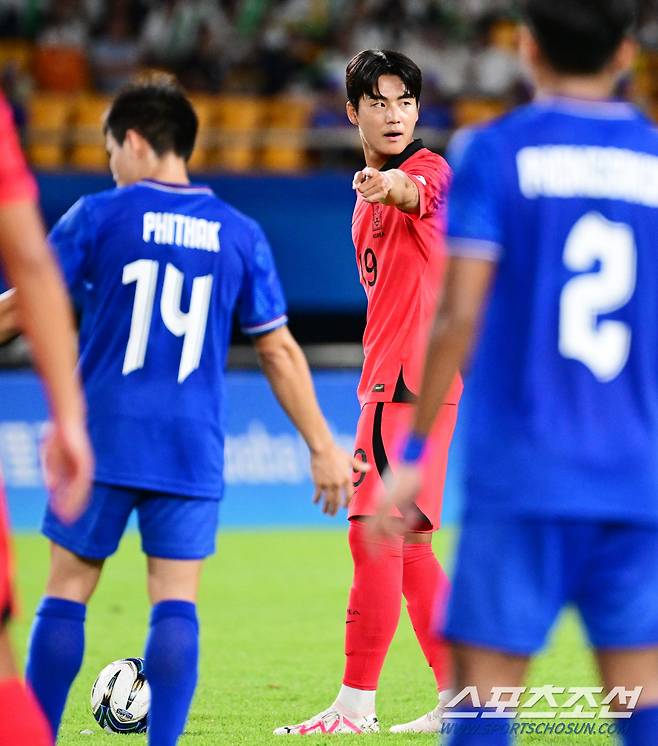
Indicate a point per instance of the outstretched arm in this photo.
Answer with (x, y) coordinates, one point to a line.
(285, 366)
(392, 187)
(41, 306)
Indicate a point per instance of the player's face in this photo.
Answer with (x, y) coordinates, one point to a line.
(386, 122)
(124, 164)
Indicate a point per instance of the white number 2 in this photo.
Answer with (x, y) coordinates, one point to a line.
(603, 346)
(191, 325)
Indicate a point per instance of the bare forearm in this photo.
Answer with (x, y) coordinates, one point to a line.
(404, 193)
(467, 284)
(42, 306)
(47, 321)
(290, 378)
(447, 351)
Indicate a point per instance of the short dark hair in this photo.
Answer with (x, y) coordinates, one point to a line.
(155, 106)
(580, 37)
(365, 68)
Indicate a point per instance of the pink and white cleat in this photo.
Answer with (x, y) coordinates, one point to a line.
(330, 722)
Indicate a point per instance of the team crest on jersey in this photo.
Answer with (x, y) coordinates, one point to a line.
(377, 215)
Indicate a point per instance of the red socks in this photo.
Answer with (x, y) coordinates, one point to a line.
(21, 721)
(383, 571)
(373, 607)
(426, 588)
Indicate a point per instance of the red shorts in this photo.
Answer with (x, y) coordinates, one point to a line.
(379, 432)
(6, 563)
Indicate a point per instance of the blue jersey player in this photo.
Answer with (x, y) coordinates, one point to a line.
(157, 267)
(553, 226)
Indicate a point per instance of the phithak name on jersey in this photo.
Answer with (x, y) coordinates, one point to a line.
(174, 229)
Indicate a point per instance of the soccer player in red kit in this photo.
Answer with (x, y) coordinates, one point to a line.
(397, 229)
(46, 318)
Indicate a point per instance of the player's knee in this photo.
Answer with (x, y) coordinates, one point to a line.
(71, 577)
(631, 668)
(173, 579)
(484, 669)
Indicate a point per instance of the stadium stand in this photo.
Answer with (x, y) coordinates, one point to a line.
(88, 148)
(49, 115)
(264, 74)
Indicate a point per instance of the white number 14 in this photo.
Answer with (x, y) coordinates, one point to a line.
(191, 325)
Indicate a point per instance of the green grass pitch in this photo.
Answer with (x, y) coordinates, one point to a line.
(272, 608)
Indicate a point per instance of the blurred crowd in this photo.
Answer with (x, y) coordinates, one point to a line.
(266, 47)
(269, 49)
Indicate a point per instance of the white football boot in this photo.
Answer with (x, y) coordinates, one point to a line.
(330, 722)
(428, 723)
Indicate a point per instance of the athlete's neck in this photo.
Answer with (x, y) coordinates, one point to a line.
(373, 158)
(170, 169)
(587, 87)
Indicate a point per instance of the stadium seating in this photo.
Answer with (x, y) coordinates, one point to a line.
(48, 122)
(287, 121)
(239, 119)
(60, 69)
(472, 111)
(237, 132)
(88, 150)
(205, 111)
(505, 35)
(17, 53)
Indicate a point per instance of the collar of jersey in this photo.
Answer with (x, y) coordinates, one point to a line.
(601, 109)
(397, 160)
(163, 186)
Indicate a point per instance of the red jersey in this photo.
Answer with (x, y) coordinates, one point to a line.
(401, 259)
(16, 182)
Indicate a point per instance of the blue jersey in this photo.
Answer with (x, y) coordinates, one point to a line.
(156, 272)
(563, 196)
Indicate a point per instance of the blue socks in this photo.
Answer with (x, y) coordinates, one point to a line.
(55, 654)
(642, 727)
(172, 656)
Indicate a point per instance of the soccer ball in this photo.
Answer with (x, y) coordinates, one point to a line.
(120, 697)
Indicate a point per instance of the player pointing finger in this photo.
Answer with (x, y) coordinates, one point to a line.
(397, 226)
(392, 187)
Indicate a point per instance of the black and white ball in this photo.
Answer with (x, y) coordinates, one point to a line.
(120, 697)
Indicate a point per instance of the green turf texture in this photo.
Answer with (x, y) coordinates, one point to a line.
(272, 609)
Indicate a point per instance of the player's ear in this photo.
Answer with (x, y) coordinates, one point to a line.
(137, 144)
(529, 49)
(352, 114)
(131, 139)
(625, 56)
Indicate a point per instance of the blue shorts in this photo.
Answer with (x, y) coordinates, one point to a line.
(513, 576)
(171, 526)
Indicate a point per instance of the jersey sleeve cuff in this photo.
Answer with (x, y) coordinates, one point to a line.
(474, 248)
(423, 209)
(268, 326)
